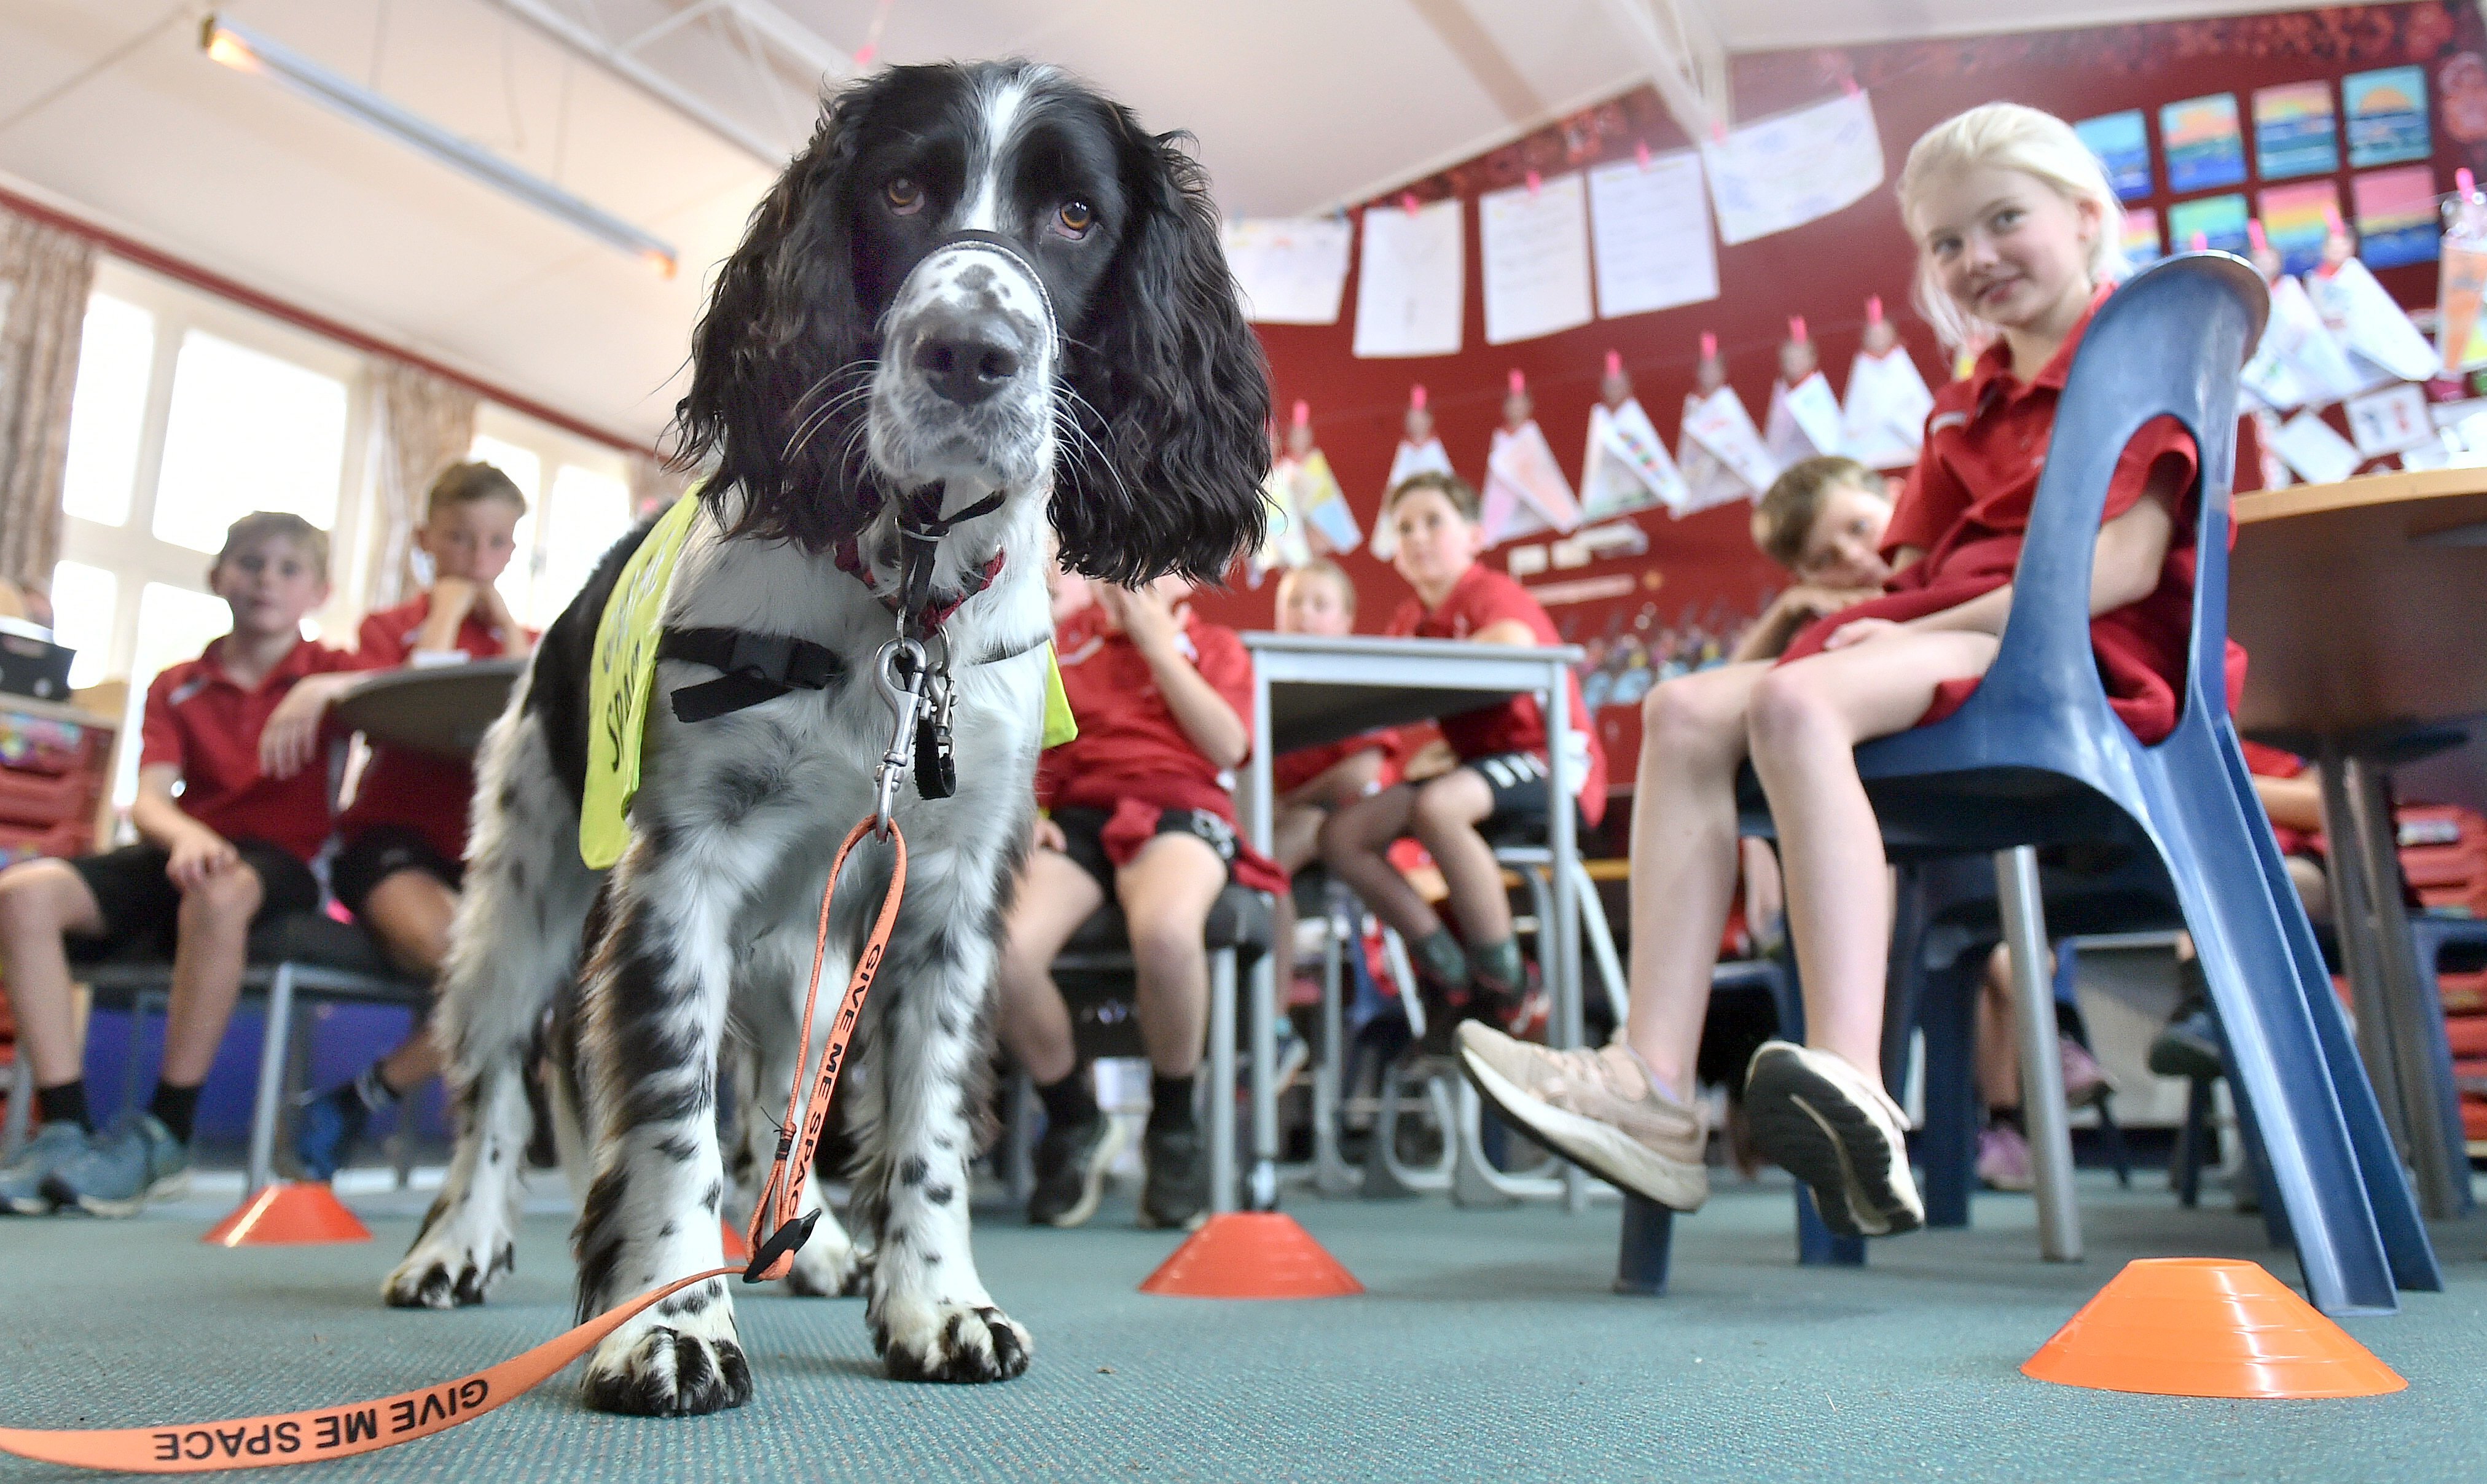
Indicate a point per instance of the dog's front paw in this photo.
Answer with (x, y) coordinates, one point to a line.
(455, 1261)
(950, 1342)
(692, 1366)
(826, 1270)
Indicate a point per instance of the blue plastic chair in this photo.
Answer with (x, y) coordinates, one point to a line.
(2038, 757)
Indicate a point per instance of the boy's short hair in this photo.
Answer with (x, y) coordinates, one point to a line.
(464, 483)
(1450, 487)
(276, 526)
(1787, 510)
(1331, 572)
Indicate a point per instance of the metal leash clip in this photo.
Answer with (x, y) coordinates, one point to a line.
(900, 667)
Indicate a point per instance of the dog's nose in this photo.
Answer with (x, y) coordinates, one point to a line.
(966, 367)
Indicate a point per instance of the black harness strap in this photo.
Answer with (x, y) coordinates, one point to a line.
(756, 667)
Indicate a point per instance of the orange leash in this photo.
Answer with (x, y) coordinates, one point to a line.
(364, 1427)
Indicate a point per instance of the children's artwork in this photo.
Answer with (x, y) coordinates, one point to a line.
(1793, 168)
(2295, 220)
(1408, 293)
(2389, 421)
(2121, 145)
(1885, 416)
(2299, 362)
(1804, 421)
(1285, 544)
(2396, 216)
(1419, 451)
(2295, 131)
(2203, 144)
(2220, 220)
(1626, 466)
(2141, 245)
(1651, 229)
(1292, 271)
(1525, 488)
(2370, 323)
(2318, 455)
(1330, 526)
(2386, 116)
(2461, 333)
(1535, 242)
(1722, 452)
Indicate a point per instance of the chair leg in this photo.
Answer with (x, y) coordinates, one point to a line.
(2318, 1168)
(1222, 1194)
(1261, 984)
(1602, 943)
(1641, 1256)
(2193, 1143)
(274, 1044)
(1018, 1152)
(2119, 1153)
(2042, 1069)
(1330, 1174)
(1947, 1013)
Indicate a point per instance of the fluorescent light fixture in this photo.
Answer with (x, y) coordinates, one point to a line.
(246, 51)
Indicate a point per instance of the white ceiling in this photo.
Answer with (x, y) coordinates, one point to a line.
(1298, 105)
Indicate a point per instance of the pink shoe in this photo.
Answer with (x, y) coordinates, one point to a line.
(2085, 1079)
(2003, 1158)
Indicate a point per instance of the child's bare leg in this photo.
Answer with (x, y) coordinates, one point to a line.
(1683, 859)
(39, 901)
(1166, 892)
(1353, 845)
(213, 934)
(1999, 1054)
(1055, 896)
(1806, 719)
(410, 912)
(1294, 843)
(1445, 817)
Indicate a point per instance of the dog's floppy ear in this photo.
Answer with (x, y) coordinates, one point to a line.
(1172, 387)
(782, 339)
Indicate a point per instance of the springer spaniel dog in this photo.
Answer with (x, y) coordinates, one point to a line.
(982, 297)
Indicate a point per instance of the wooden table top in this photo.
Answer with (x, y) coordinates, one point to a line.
(2364, 604)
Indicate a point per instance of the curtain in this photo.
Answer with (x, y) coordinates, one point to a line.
(45, 276)
(423, 425)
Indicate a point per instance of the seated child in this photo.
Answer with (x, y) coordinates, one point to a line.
(1311, 782)
(1500, 782)
(1141, 810)
(234, 848)
(403, 838)
(2017, 235)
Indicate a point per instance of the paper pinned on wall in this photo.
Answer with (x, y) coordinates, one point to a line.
(1804, 420)
(2319, 456)
(1722, 452)
(1625, 467)
(1285, 544)
(2391, 421)
(1535, 240)
(1330, 526)
(1292, 271)
(1650, 228)
(1884, 419)
(2370, 323)
(1798, 167)
(2298, 363)
(1408, 296)
(1525, 488)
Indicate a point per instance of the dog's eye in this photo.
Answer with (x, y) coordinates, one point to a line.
(1077, 217)
(905, 196)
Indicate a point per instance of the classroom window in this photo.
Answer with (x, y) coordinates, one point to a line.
(84, 600)
(578, 504)
(108, 409)
(248, 432)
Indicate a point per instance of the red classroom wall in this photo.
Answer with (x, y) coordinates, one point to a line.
(1702, 571)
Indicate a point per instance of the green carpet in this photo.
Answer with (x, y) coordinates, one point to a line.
(1488, 1347)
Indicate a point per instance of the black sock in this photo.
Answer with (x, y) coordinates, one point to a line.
(1068, 1102)
(1169, 1103)
(65, 1104)
(2005, 1118)
(176, 1108)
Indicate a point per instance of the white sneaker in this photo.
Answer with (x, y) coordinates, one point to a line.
(1833, 1127)
(1598, 1109)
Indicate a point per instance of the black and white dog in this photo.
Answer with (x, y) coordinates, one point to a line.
(974, 281)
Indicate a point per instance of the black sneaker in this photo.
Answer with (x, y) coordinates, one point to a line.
(2187, 1046)
(1070, 1162)
(1176, 1194)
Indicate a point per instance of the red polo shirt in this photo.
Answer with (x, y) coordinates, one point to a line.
(1481, 598)
(1967, 507)
(1129, 744)
(200, 720)
(399, 786)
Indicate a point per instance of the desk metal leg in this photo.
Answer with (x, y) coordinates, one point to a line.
(274, 1047)
(2042, 1073)
(1563, 845)
(1330, 1174)
(1221, 1082)
(1262, 1189)
(2429, 1106)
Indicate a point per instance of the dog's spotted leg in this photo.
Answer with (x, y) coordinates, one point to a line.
(930, 1317)
(514, 944)
(768, 1010)
(652, 1011)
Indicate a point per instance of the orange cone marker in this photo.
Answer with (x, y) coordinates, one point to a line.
(286, 1214)
(1251, 1254)
(2207, 1326)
